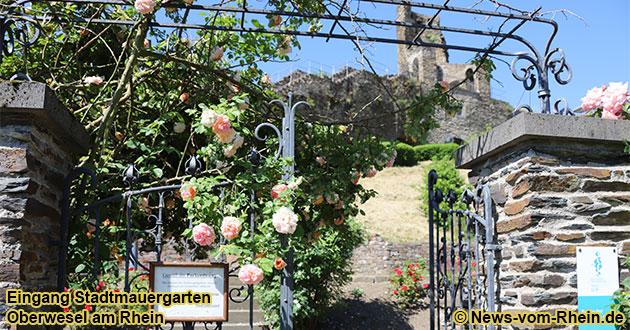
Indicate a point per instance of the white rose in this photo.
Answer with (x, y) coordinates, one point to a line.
(208, 118)
(179, 127)
(93, 80)
(285, 221)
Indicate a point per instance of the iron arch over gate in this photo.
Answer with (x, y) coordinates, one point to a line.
(462, 249)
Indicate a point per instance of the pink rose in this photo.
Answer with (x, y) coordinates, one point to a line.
(229, 152)
(227, 136)
(444, 86)
(221, 124)
(250, 274)
(230, 227)
(371, 173)
(615, 96)
(203, 234)
(145, 6)
(266, 79)
(276, 190)
(188, 192)
(593, 99)
(216, 54)
(390, 163)
(425, 285)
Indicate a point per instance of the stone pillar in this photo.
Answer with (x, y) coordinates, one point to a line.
(39, 140)
(558, 183)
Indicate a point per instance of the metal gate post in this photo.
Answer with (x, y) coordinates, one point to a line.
(491, 247)
(288, 151)
(432, 179)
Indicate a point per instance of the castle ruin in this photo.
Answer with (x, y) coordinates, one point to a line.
(352, 94)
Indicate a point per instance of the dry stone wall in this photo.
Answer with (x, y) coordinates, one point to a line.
(38, 139)
(558, 184)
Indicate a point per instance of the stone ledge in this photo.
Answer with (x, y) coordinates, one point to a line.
(28, 102)
(543, 127)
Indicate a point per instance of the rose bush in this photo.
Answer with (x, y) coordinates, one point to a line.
(408, 284)
(609, 102)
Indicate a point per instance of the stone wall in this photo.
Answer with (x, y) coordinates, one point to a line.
(353, 94)
(558, 183)
(375, 260)
(38, 139)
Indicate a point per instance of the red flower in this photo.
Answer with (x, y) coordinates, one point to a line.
(473, 275)
(420, 276)
(418, 292)
(101, 283)
(411, 273)
(410, 266)
(98, 287)
(414, 279)
(418, 265)
(116, 290)
(131, 269)
(404, 287)
(395, 291)
(276, 190)
(65, 289)
(425, 285)
(474, 263)
(66, 309)
(88, 307)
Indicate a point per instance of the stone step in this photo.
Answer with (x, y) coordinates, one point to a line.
(242, 306)
(226, 326)
(242, 316)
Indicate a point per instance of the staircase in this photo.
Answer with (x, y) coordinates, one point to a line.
(238, 314)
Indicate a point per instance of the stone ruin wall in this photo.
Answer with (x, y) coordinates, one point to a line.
(352, 94)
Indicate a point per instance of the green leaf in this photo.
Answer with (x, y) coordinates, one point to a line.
(79, 268)
(157, 172)
(132, 144)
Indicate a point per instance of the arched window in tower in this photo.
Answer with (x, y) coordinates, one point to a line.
(470, 80)
(440, 73)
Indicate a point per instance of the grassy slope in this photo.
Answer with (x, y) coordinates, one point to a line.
(395, 212)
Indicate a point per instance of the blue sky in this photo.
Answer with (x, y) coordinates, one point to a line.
(597, 53)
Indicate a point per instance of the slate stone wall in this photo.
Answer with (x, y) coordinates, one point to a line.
(38, 139)
(554, 191)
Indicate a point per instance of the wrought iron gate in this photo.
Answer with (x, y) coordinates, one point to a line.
(133, 251)
(461, 255)
(137, 256)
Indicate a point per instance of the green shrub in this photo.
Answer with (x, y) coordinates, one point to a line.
(410, 156)
(321, 271)
(448, 178)
(431, 151)
(405, 155)
(408, 284)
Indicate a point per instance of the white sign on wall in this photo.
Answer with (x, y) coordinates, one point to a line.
(597, 280)
(196, 277)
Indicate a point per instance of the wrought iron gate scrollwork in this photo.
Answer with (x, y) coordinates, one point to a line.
(462, 251)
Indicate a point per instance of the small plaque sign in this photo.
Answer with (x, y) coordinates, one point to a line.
(597, 281)
(196, 277)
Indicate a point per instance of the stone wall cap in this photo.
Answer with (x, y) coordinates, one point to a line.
(529, 126)
(22, 102)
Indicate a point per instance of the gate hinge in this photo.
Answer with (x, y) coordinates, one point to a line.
(494, 247)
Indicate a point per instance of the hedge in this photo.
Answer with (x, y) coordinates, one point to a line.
(409, 155)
